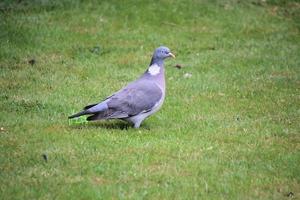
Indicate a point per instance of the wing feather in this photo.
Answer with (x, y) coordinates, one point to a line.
(136, 98)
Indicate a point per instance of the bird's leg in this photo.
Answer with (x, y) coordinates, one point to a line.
(137, 124)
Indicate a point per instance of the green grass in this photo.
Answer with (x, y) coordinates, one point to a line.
(231, 131)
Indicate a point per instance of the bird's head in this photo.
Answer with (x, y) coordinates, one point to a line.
(162, 53)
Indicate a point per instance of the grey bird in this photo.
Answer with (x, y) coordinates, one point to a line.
(139, 99)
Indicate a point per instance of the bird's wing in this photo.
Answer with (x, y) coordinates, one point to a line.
(135, 98)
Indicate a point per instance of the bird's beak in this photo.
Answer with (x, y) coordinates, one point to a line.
(172, 55)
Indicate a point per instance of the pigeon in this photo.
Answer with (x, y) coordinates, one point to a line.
(136, 101)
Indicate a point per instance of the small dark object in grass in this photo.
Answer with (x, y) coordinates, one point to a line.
(96, 49)
(178, 66)
(290, 194)
(32, 61)
(258, 3)
(45, 157)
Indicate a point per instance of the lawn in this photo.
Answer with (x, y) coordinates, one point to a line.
(231, 130)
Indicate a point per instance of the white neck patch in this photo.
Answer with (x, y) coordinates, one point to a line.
(154, 69)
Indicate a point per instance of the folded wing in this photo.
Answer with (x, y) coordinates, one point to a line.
(130, 101)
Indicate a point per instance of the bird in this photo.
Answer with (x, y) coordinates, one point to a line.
(137, 100)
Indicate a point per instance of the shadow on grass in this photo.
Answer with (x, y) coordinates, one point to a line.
(113, 124)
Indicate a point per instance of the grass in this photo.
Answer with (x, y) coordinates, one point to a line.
(230, 131)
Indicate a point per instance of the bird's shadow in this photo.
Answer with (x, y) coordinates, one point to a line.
(117, 125)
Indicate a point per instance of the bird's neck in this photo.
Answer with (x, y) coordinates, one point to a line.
(156, 72)
(155, 69)
(159, 62)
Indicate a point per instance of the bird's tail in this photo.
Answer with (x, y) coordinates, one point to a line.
(84, 112)
(91, 109)
(94, 117)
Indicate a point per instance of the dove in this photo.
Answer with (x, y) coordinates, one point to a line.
(136, 101)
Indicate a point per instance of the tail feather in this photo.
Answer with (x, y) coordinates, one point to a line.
(100, 111)
(93, 117)
(89, 106)
(108, 114)
(84, 112)
(98, 116)
(91, 109)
